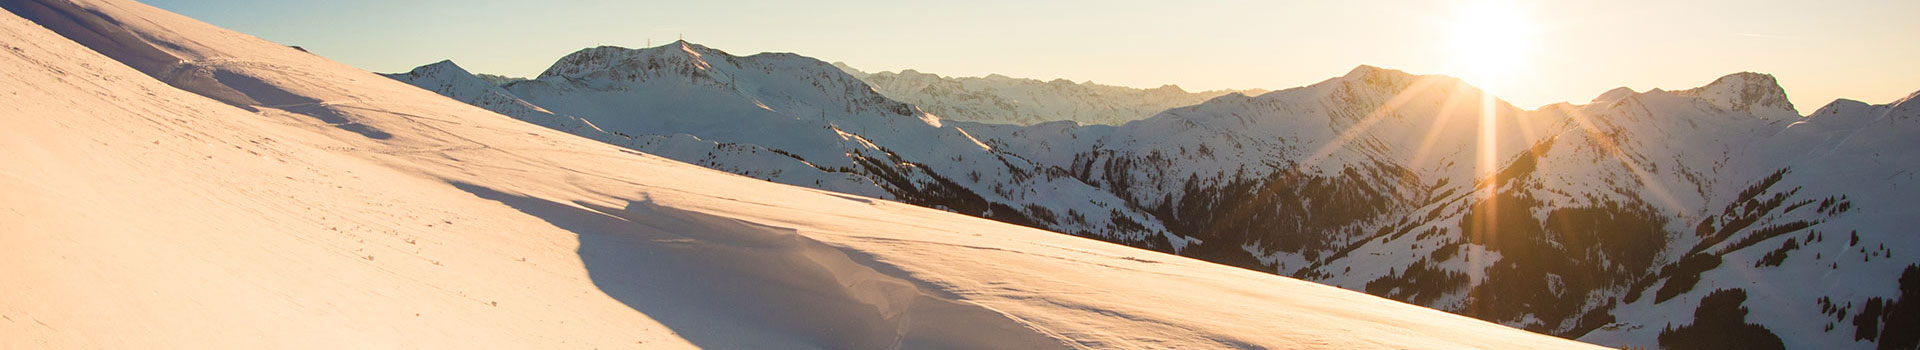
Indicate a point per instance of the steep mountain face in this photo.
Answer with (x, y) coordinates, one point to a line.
(796, 120)
(1636, 219)
(998, 99)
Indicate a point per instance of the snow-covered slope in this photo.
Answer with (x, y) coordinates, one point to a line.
(998, 99)
(174, 185)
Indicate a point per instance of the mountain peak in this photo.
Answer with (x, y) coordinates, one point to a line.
(1745, 92)
(1382, 78)
(585, 60)
(608, 58)
(1376, 74)
(443, 65)
(690, 48)
(1619, 93)
(1840, 107)
(1362, 72)
(1167, 89)
(844, 67)
(439, 70)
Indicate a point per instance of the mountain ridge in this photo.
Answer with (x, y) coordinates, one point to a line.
(997, 98)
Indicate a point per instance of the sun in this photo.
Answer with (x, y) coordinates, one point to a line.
(1490, 38)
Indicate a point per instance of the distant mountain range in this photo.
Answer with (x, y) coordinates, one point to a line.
(999, 99)
(1639, 218)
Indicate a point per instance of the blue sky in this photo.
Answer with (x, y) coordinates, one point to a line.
(1575, 49)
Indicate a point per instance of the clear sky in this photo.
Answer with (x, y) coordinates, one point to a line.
(1568, 50)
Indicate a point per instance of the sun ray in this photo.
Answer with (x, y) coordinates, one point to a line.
(1612, 148)
(1486, 165)
(1353, 132)
(1525, 126)
(1439, 126)
(1346, 136)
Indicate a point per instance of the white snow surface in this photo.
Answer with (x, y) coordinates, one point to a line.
(170, 184)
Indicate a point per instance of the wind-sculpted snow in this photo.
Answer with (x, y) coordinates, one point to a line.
(139, 214)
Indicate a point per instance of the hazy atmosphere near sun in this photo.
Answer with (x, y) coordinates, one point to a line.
(1566, 50)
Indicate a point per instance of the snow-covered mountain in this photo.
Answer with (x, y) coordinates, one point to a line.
(449, 79)
(1611, 221)
(170, 184)
(799, 121)
(998, 99)
(1600, 221)
(1278, 181)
